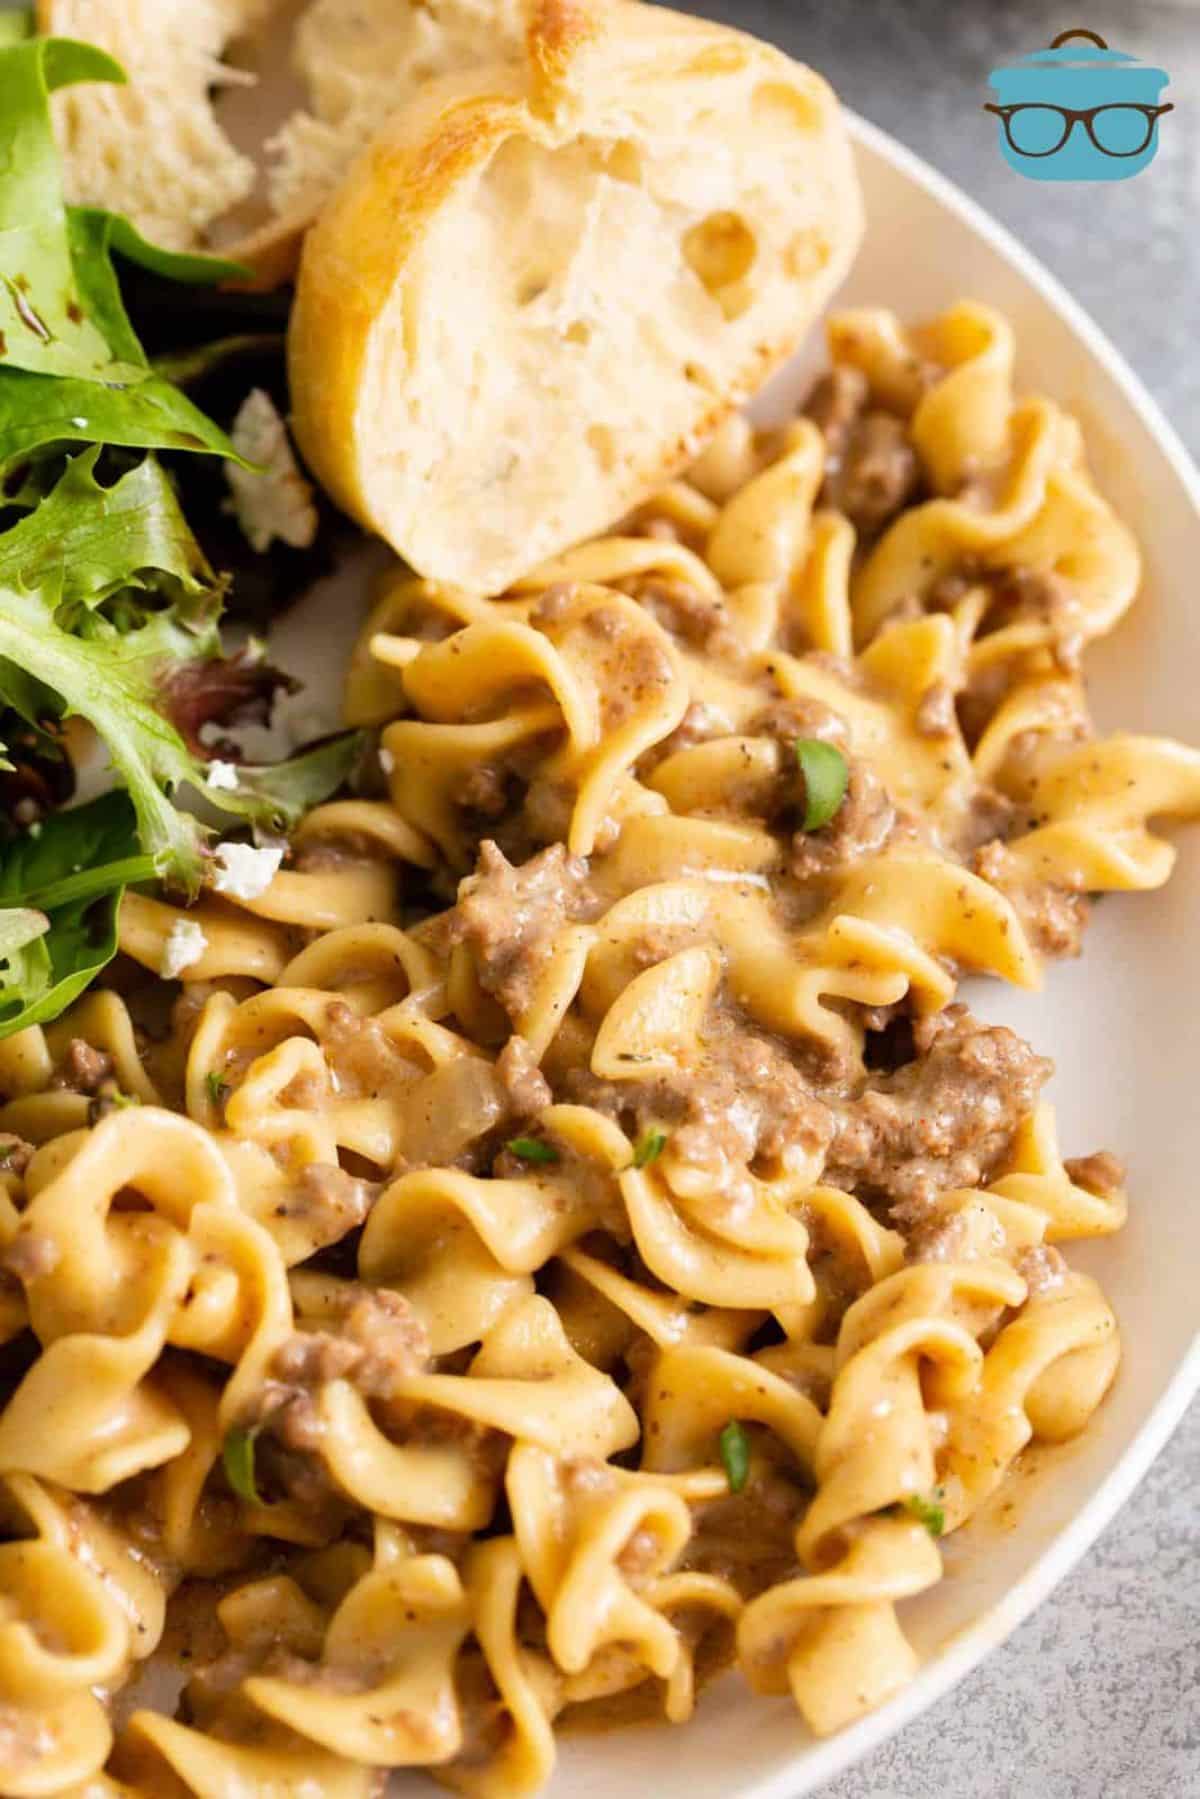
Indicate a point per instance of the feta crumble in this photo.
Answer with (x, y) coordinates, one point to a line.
(278, 502)
(185, 945)
(244, 872)
(387, 761)
(222, 776)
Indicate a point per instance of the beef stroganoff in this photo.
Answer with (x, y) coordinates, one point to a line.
(564, 1234)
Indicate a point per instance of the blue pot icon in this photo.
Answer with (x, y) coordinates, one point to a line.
(1078, 113)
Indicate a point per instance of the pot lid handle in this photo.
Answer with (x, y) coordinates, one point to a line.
(1080, 31)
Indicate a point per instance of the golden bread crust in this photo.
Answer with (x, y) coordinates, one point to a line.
(540, 290)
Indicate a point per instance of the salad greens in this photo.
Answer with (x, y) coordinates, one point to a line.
(71, 368)
(15, 25)
(67, 649)
(70, 878)
(108, 608)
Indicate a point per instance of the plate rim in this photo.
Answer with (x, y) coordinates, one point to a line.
(821, 1760)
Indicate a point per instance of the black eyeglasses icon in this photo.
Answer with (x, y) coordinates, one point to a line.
(1035, 128)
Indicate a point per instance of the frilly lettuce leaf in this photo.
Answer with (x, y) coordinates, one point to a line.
(71, 368)
(85, 542)
(108, 608)
(60, 654)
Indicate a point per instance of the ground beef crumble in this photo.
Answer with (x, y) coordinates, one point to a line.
(1027, 595)
(872, 470)
(699, 618)
(861, 826)
(1041, 1268)
(509, 918)
(526, 1088)
(329, 1201)
(946, 1119)
(83, 1068)
(374, 1341)
(1054, 918)
(742, 1100)
(1101, 1173)
(788, 720)
(483, 790)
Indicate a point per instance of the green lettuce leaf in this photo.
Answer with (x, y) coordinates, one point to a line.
(84, 542)
(108, 609)
(71, 368)
(69, 874)
(15, 25)
(24, 959)
(277, 794)
(44, 316)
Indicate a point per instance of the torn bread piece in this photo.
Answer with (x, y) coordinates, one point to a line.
(363, 60)
(152, 148)
(198, 163)
(541, 289)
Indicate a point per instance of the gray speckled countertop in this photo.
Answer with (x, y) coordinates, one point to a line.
(1098, 1695)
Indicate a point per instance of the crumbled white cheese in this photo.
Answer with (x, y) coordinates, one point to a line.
(185, 945)
(244, 872)
(387, 761)
(278, 503)
(222, 776)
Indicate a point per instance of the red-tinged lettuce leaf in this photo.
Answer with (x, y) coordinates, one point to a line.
(222, 692)
(62, 656)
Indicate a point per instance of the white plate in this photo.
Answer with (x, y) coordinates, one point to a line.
(1123, 1024)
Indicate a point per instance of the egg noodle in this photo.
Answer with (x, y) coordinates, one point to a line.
(508, 1284)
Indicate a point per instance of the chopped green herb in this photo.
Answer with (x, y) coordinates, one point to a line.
(532, 1149)
(927, 1512)
(217, 1088)
(825, 774)
(107, 1099)
(649, 1147)
(735, 1454)
(237, 1457)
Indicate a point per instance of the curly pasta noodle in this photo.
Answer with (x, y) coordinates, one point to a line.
(565, 1235)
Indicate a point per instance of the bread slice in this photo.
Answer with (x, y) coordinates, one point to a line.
(153, 149)
(541, 289)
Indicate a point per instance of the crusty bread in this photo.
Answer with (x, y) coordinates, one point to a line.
(169, 149)
(545, 284)
(361, 61)
(153, 149)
